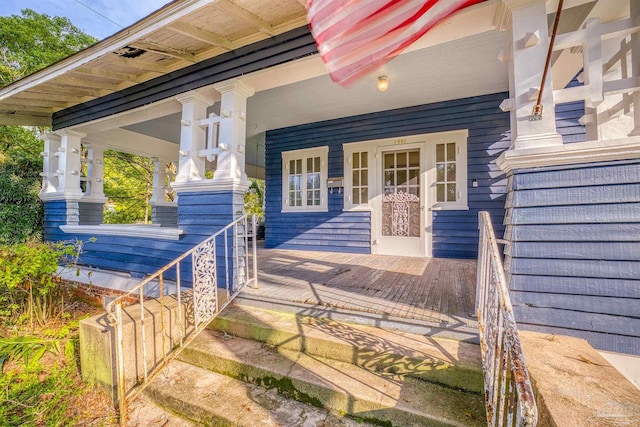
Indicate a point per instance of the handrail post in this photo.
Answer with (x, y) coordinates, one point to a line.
(254, 221)
(122, 396)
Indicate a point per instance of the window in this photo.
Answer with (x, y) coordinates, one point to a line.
(357, 176)
(304, 180)
(450, 179)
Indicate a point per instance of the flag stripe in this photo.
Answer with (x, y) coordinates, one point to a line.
(355, 37)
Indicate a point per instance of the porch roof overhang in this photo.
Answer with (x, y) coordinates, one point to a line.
(180, 34)
(183, 34)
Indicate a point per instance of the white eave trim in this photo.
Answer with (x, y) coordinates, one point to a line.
(160, 18)
(135, 230)
(571, 154)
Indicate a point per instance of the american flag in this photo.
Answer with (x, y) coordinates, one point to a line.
(355, 37)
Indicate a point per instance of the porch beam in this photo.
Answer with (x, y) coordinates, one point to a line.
(108, 74)
(24, 120)
(165, 50)
(139, 64)
(243, 14)
(201, 35)
(91, 84)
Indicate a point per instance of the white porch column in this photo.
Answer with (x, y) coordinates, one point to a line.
(159, 182)
(50, 164)
(69, 163)
(95, 172)
(529, 44)
(233, 132)
(192, 137)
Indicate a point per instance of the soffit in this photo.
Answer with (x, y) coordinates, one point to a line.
(178, 35)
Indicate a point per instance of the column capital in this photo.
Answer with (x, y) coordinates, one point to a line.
(194, 96)
(234, 85)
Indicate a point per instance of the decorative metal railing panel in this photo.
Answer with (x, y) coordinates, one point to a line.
(508, 392)
(218, 269)
(401, 215)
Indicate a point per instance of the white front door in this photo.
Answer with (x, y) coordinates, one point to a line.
(400, 206)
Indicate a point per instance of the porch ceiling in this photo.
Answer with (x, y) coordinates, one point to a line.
(181, 33)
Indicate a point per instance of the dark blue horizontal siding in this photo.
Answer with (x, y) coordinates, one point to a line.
(454, 232)
(199, 216)
(574, 258)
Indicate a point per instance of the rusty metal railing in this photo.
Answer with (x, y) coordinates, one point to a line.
(171, 313)
(508, 393)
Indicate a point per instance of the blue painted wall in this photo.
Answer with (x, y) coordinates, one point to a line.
(455, 233)
(574, 258)
(199, 216)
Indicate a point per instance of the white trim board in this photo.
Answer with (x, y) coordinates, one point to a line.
(150, 231)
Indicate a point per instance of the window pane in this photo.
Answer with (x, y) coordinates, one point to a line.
(299, 198)
(355, 196)
(309, 197)
(388, 161)
(440, 173)
(316, 197)
(316, 164)
(451, 192)
(402, 177)
(309, 165)
(299, 166)
(355, 160)
(364, 195)
(414, 191)
(356, 178)
(451, 172)
(364, 177)
(316, 180)
(414, 159)
(292, 198)
(451, 151)
(292, 166)
(389, 178)
(363, 162)
(309, 181)
(413, 176)
(402, 159)
(440, 193)
(440, 153)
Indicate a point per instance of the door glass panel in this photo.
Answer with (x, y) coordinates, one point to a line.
(363, 160)
(401, 197)
(440, 153)
(355, 160)
(451, 152)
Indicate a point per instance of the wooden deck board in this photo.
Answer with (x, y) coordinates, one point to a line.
(433, 289)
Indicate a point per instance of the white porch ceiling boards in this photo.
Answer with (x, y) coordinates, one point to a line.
(181, 33)
(457, 69)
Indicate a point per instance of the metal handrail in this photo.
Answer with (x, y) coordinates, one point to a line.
(206, 304)
(509, 395)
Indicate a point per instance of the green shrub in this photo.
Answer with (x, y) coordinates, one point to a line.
(28, 289)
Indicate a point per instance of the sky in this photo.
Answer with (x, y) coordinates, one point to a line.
(122, 12)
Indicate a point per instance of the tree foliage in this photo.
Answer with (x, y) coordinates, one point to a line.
(128, 183)
(33, 41)
(254, 197)
(27, 44)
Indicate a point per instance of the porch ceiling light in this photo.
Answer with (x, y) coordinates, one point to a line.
(383, 83)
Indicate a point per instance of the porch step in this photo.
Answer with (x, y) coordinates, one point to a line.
(385, 397)
(202, 397)
(464, 330)
(447, 362)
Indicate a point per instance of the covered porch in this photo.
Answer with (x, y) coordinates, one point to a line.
(435, 290)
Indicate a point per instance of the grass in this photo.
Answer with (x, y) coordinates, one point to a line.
(40, 383)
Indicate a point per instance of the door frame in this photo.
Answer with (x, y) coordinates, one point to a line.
(427, 143)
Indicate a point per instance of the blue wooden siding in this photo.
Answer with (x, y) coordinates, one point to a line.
(199, 216)
(567, 116)
(574, 258)
(454, 232)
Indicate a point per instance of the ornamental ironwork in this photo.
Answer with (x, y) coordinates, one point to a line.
(401, 215)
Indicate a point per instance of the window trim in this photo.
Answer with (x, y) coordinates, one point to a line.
(462, 164)
(304, 154)
(349, 149)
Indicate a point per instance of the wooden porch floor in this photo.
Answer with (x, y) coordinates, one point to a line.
(429, 289)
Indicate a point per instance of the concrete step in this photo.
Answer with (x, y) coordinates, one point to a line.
(447, 362)
(463, 330)
(383, 398)
(203, 397)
